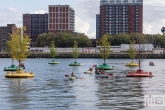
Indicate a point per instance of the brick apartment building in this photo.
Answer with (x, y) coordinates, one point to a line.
(4, 34)
(35, 24)
(117, 16)
(61, 18)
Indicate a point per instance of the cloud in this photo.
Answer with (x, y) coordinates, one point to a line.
(154, 27)
(39, 12)
(154, 19)
(88, 9)
(10, 16)
(83, 27)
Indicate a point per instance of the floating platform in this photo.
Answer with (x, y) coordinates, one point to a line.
(19, 74)
(132, 64)
(75, 64)
(140, 73)
(105, 67)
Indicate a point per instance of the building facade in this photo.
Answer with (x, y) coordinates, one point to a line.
(36, 24)
(117, 16)
(61, 18)
(4, 34)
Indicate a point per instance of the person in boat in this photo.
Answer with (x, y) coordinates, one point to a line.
(73, 75)
(97, 72)
(90, 69)
(103, 71)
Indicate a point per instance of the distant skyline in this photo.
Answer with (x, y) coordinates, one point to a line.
(85, 13)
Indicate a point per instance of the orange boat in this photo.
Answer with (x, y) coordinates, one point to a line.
(139, 73)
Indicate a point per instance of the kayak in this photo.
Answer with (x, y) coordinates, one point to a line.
(72, 78)
(88, 72)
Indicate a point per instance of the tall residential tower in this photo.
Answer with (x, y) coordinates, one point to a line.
(35, 24)
(61, 18)
(117, 16)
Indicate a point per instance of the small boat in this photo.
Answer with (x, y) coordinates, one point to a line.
(132, 64)
(151, 64)
(139, 73)
(75, 64)
(19, 74)
(70, 77)
(105, 67)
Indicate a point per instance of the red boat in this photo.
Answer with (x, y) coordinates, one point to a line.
(139, 73)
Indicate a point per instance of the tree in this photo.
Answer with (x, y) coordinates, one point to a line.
(132, 50)
(104, 47)
(75, 50)
(18, 45)
(52, 50)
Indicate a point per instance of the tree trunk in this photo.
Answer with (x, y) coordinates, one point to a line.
(19, 64)
(12, 62)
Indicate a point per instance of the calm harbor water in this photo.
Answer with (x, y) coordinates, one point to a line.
(50, 89)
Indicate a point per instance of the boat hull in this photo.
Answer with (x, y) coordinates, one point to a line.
(19, 74)
(53, 62)
(131, 64)
(140, 74)
(105, 67)
(75, 64)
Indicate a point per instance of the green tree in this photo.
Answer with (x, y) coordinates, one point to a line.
(75, 50)
(132, 50)
(104, 47)
(18, 45)
(52, 50)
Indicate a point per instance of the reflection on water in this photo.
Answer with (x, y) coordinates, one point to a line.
(50, 89)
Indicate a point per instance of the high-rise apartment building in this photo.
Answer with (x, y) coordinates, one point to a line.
(4, 34)
(61, 18)
(117, 16)
(35, 24)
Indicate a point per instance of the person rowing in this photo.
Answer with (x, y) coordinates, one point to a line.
(90, 69)
(97, 72)
(72, 75)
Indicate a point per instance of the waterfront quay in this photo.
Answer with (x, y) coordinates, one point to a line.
(125, 55)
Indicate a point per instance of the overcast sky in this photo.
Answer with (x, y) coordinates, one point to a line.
(85, 11)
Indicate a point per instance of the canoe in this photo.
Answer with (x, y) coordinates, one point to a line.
(132, 64)
(19, 74)
(88, 72)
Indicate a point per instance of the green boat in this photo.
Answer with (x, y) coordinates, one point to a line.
(104, 66)
(12, 68)
(54, 62)
(75, 64)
